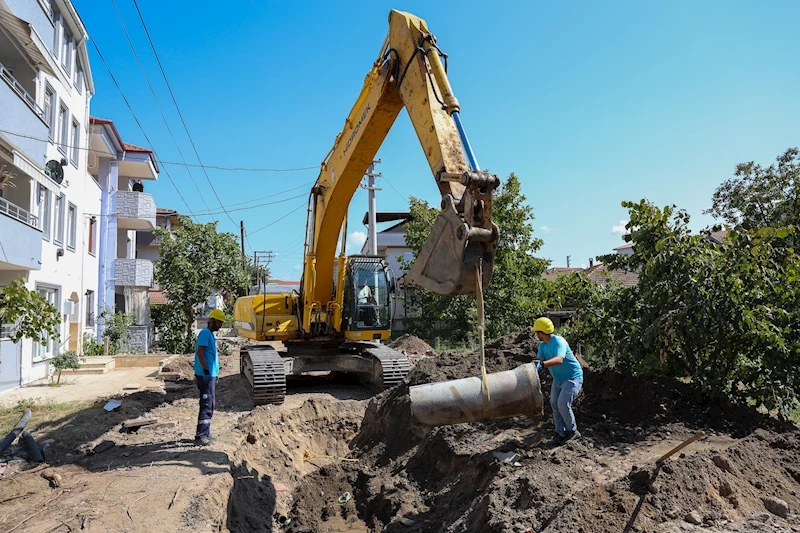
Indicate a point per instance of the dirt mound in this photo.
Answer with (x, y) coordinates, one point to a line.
(413, 478)
(411, 344)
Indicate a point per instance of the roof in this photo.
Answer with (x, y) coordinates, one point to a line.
(625, 246)
(163, 211)
(125, 146)
(601, 275)
(387, 216)
(718, 237)
(552, 273)
(133, 148)
(158, 298)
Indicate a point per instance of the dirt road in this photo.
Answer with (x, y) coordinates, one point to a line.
(338, 457)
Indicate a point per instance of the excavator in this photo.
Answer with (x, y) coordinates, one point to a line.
(343, 311)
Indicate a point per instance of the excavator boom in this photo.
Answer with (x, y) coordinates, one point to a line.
(410, 73)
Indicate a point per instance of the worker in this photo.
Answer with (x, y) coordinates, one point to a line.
(366, 313)
(206, 369)
(556, 356)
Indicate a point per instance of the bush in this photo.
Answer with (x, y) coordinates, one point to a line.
(117, 330)
(65, 360)
(170, 325)
(90, 345)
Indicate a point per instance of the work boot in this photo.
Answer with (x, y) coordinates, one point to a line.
(557, 440)
(204, 441)
(572, 435)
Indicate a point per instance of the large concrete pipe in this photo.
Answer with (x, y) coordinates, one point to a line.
(511, 393)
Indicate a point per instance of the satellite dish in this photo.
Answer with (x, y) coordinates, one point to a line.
(55, 171)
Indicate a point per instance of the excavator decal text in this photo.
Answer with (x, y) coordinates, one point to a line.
(355, 130)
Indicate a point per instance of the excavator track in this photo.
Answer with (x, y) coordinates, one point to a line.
(394, 364)
(263, 369)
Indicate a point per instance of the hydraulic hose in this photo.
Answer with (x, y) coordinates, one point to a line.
(6, 442)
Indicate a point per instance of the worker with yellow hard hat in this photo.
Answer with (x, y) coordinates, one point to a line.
(206, 370)
(557, 357)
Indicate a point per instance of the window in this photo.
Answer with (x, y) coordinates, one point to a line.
(72, 227)
(89, 309)
(50, 346)
(63, 124)
(92, 232)
(44, 210)
(49, 110)
(56, 27)
(58, 218)
(74, 141)
(78, 75)
(66, 48)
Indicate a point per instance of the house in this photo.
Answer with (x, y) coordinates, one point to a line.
(48, 201)
(120, 170)
(148, 246)
(391, 244)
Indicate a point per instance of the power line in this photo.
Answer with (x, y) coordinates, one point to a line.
(303, 186)
(279, 219)
(174, 101)
(252, 206)
(127, 103)
(158, 104)
(174, 163)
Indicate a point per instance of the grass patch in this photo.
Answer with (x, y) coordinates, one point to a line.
(41, 412)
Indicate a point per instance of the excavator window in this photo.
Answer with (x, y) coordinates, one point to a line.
(369, 288)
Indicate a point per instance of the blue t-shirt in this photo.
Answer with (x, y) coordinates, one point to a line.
(207, 339)
(570, 368)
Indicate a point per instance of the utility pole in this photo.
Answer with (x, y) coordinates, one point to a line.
(261, 260)
(372, 239)
(568, 258)
(244, 257)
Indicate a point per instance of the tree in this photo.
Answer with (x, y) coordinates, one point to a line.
(32, 315)
(196, 260)
(64, 361)
(725, 316)
(758, 197)
(515, 296)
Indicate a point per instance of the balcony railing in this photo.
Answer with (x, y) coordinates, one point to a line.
(17, 88)
(16, 212)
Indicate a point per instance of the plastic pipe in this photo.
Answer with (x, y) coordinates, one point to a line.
(34, 451)
(511, 393)
(6, 442)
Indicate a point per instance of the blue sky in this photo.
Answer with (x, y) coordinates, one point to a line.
(589, 103)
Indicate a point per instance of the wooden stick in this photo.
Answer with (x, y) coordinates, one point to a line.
(128, 510)
(680, 446)
(23, 521)
(17, 497)
(174, 497)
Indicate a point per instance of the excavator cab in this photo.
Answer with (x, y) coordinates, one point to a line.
(367, 311)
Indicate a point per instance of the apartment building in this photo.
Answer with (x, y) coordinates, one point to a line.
(48, 201)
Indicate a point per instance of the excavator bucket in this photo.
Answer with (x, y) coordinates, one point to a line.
(448, 259)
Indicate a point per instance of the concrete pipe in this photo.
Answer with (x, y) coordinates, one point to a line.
(511, 393)
(6, 442)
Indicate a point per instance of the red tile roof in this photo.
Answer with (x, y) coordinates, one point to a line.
(158, 298)
(133, 148)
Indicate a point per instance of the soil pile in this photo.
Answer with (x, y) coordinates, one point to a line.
(412, 478)
(411, 345)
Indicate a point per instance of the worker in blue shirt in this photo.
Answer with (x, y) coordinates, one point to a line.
(557, 357)
(206, 370)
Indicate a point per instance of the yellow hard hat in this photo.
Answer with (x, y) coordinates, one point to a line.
(545, 325)
(216, 314)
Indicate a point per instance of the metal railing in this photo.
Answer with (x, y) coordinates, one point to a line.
(20, 90)
(14, 211)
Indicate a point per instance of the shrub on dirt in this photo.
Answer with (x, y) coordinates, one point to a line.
(64, 361)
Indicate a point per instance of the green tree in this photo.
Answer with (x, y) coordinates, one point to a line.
(758, 197)
(724, 316)
(515, 296)
(33, 316)
(64, 361)
(196, 260)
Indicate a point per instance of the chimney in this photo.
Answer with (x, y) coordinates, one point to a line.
(591, 262)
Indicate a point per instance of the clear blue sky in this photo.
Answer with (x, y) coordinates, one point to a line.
(589, 103)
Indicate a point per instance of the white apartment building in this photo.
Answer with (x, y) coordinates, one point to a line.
(49, 204)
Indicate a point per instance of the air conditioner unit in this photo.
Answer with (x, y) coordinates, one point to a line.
(70, 309)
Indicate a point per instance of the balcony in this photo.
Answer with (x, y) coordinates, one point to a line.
(21, 111)
(135, 211)
(133, 272)
(22, 239)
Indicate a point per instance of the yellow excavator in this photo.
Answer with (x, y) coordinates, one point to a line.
(343, 310)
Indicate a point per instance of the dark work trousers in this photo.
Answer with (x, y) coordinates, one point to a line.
(208, 400)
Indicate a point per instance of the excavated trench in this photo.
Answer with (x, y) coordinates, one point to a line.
(495, 477)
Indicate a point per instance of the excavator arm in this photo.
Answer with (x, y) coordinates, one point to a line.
(410, 73)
